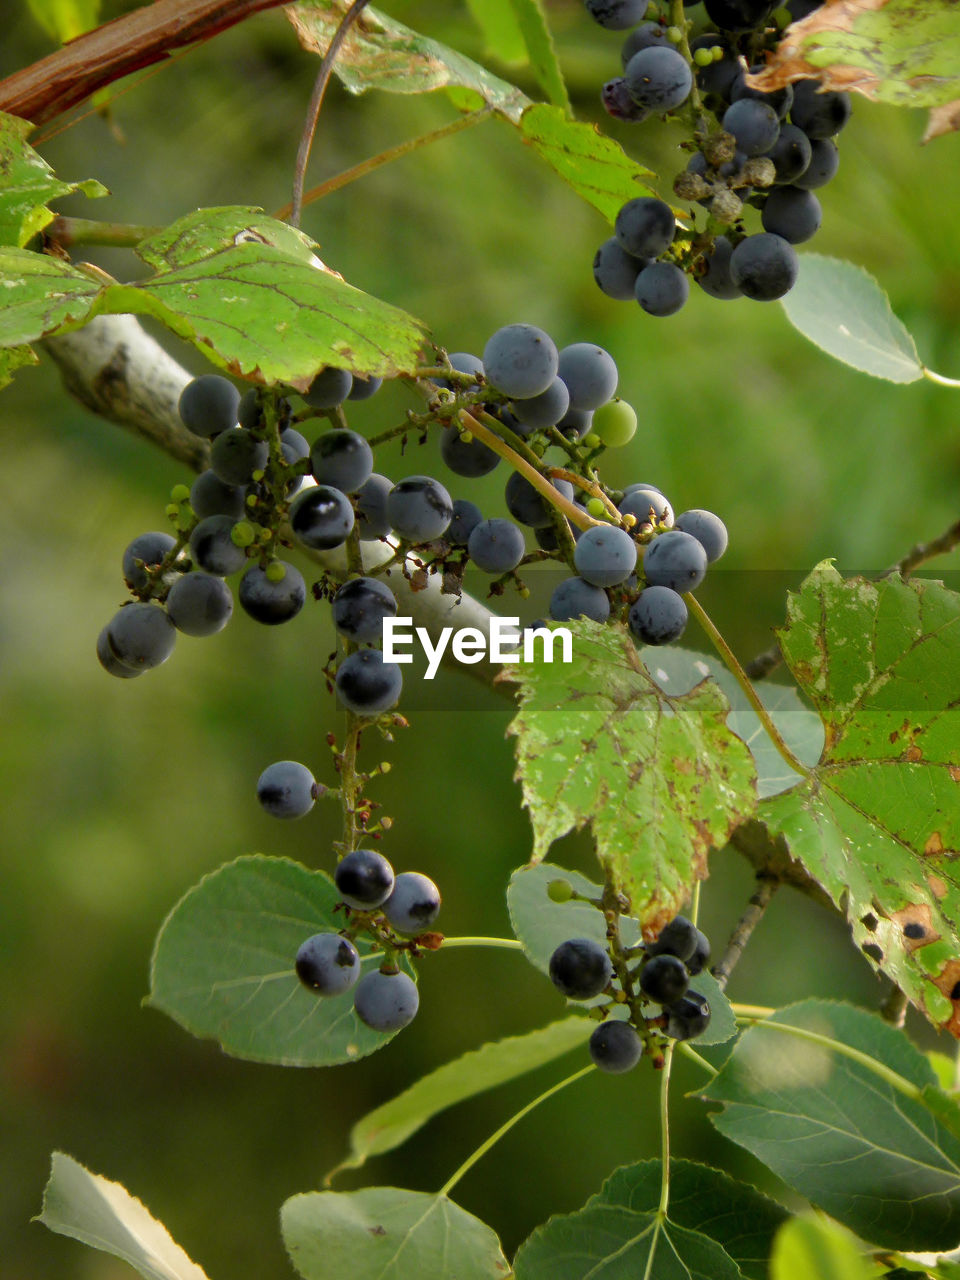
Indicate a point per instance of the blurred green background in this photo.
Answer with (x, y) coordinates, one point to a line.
(117, 796)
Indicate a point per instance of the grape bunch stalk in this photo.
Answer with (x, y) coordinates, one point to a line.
(750, 148)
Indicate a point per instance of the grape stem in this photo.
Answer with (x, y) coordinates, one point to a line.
(939, 378)
(316, 102)
(121, 235)
(733, 665)
(756, 907)
(589, 486)
(385, 157)
(494, 1138)
(664, 1204)
(508, 944)
(576, 515)
(924, 551)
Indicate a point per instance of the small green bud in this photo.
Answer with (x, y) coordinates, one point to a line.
(592, 440)
(674, 35)
(703, 57)
(717, 52)
(597, 508)
(385, 766)
(275, 571)
(252, 500)
(524, 593)
(559, 890)
(179, 493)
(173, 511)
(243, 534)
(466, 437)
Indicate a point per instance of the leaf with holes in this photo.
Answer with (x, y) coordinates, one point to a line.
(223, 966)
(386, 1233)
(28, 184)
(381, 53)
(661, 780)
(877, 824)
(597, 168)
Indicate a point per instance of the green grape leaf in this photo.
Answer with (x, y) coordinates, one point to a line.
(104, 1215)
(809, 1248)
(677, 670)
(41, 295)
(12, 359)
(895, 51)
(660, 780)
(207, 231)
(381, 53)
(65, 19)
(223, 966)
(392, 1123)
(386, 1233)
(263, 308)
(542, 924)
(27, 184)
(501, 31)
(717, 1229)
(877, 824)
(879, 1161)
(843, 311)
(543, 56)
(597, 168)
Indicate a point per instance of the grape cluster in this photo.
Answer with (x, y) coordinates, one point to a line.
(584, 969)
(397, 912)
(769, 150)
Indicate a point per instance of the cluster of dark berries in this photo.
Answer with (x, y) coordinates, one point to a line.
(769, 150)
(382, 904)
(582, 969)
(612, 580)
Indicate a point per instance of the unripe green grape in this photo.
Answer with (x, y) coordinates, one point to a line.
(615, 423)
(172, 511)
(703, 57)
(674, 35)
(179, 493)
(275, 571)
(596, 508)
(592, 440)
(717, 52)
(559, 890)
(242, 534)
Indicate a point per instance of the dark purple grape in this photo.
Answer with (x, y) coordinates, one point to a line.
(272, 602)
(616, 271)
(708, 529)
(574, 598)
(329, 388)
(209, 405)
(213, 547)
(618, 103)
(419, 508)
(544, 410)
(386, 1001)
(662, 289)
(688, 1017)
(659, 79)
(209, 496)
(287, 789)
(664, 979)
(359, 608)
(140, 635)
(645, 227)
(589, 373)
(328, 964)
(526, 504)
(819, 115)
(199, 604)
(364, 388)
(321, 517)
(658, 616)
(366, 685)
(791, 153)
(372, 522)
(236, 454)
(616, 15)
(716, 279)
(676, 560)
(580, 968)
(764, 266)
(414, 903)
(824, 162)
(605, 556)
(792, 213)
(780, 99)
(615, 1047)
(754, 124)
(648, 36)
(466, 517)
(496, 546)
(341, 459)
(678, 938)
(151, 548)
(647, 504)
(109, 660)
(738, 15)
(520, 360)
(470, 458)
(364, 879)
